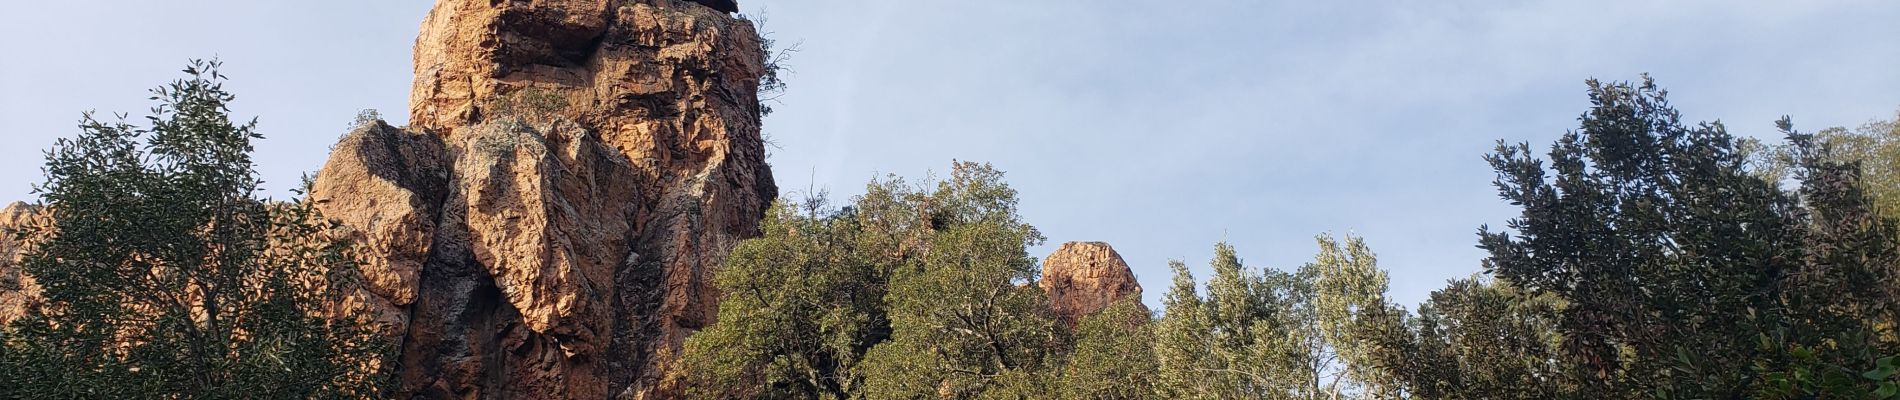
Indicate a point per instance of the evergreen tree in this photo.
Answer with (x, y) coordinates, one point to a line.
(1254, 335)
(967, 320)
(1481, 339)
(1354, 315)
(803, 303)
(165, 276)
(1113, 356)
(907, 293)
(1675, 262)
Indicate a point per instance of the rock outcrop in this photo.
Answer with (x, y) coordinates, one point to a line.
(1083, 278)
(573, 170)
(17, 290)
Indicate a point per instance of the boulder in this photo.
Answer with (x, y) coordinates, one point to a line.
(1083, 278)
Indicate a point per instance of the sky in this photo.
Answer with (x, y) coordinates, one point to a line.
(1159, 127)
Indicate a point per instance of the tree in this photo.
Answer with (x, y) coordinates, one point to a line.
(165, 276)
(1875, 147)
(803, 303)
(909, 292)
(965, 320)
(1674, 260)
(1484, 339)
(1113, 356)
(1254, 335)
(1354, 316)
(1840, 306)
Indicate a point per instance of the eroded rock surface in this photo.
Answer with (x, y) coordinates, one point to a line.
(17, 290)
(547, 225)
(1083, 278)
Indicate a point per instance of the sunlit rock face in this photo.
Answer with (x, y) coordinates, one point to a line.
(547, 225)
(1083, 278)
(17, 290)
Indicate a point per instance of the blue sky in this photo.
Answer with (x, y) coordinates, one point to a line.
(1159, 127)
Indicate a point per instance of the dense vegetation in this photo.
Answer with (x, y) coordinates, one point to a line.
(165, 276)
(1652, 258)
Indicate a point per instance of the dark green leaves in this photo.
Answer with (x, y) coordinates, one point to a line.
(165, 276)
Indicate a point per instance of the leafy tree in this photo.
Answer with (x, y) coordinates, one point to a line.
(1674, 260)
(803, 303)
(1113, 356)
(907, 293)
(1254, 335)
(165, 276)
(1183, 342)
(966, 322)
(1353, 314)
(1478, 339)
(1840, 306)
(1874, 146)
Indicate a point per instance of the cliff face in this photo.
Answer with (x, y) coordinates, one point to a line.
(1083, 278)
(547, 225)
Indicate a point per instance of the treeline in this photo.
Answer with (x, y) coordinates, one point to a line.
(1652, 258)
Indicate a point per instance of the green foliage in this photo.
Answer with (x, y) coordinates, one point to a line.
(1479, 339)
(803, 303)
(502, 137)
(365, 118)
(1255, 335)
(1672, 257)
(908, 293)
(772, 82)
(1651, 259)
(1354, 316)
(164, 275)
(1113, 356)
(1874, 147)
(528, 105)
(1805, 375)
(966, 317)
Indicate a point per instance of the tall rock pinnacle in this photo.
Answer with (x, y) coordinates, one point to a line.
(573, 170)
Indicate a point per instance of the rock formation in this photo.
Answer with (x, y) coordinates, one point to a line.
(721, 5)
(547, 224)
(573, 169)
(1082, 278)
(17, 290)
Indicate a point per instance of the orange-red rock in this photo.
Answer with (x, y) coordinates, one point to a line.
(547, 225)
(17, 290)
(1083, 278)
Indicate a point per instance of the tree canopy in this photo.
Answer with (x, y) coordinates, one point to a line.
(164, 275)
(1651, 258)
